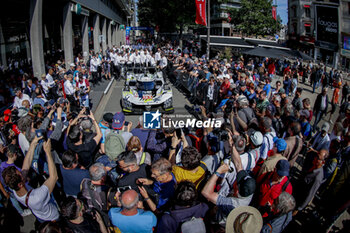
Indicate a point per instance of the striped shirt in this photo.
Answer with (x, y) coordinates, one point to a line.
(267, 144)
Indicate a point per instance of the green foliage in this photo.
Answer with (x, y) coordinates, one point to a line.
(255, 18)
(169, 15)
(227, 54)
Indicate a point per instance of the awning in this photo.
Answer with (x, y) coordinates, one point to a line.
(223, 41)
(277, 53)
(299, 55)
(267, 52)
(266, 43)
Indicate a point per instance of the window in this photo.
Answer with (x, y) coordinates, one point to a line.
(307, 29)
(294, 28)
(294, 11)
(307, 12)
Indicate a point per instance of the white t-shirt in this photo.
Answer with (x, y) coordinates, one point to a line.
(40, 203)
(23, 143)
(18, 101)
(68, 88)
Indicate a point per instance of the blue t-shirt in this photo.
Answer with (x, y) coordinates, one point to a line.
(103, 131)
(267, 88)
(72, 179)
(142, 222)
(305, 128)
(165, 190)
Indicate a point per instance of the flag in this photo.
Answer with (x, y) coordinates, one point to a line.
(274, 16)
(201, 17)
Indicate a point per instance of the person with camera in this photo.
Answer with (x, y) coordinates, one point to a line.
(241, 191)
(84, 149)
(127, 162)
(79, 219)
(83, 87)
(70, 90)
(38, 200)
(163, 184)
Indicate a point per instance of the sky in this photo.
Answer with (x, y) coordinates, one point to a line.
(282, 10)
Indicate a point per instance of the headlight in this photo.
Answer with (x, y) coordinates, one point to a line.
(168, 103)
(127, 104)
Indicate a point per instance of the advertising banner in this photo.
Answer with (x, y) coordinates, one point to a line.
(201, 17)
(274, 13)
(327, 27)
(346, 44)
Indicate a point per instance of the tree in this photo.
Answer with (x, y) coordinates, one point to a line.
(168, 15)
(255, 18)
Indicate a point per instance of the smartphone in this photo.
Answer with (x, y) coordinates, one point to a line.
(38, 133)
(87, 111)
(126, 123)
(178, 133)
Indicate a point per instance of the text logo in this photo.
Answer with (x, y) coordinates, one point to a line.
(151, 120)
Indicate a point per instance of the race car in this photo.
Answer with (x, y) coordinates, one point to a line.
(145, 90)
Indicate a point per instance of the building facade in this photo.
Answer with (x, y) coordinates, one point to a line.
(220, 18)
(34, 29)
(321, 29)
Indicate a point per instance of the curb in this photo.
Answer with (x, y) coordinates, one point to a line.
(104, 98)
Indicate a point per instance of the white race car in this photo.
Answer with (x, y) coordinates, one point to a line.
(145, 90)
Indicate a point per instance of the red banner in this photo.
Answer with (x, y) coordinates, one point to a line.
(274, 15)
(201, 17)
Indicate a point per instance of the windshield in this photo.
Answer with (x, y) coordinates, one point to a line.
(145, 86)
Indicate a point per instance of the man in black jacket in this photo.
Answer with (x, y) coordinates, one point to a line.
(210, 95)
(320, 107)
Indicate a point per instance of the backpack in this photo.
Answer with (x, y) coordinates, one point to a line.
(194, 225)
(114, 144)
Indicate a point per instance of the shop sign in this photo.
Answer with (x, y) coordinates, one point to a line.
(345, 53)
(308, 39)
(327, 26)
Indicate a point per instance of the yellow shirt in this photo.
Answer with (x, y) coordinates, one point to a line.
(182, 174)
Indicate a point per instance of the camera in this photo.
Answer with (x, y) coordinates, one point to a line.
(123, 188)
(221, 134)
(82, 91)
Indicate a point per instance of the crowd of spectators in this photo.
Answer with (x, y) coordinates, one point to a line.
(263, 166)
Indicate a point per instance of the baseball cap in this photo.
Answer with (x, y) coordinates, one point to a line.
(108, 117)
(118, 120)
(280, 144)
(325, 127)
(256, 137)
(246, 184)
(72, 64)
(7, 114)
(282, 167)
